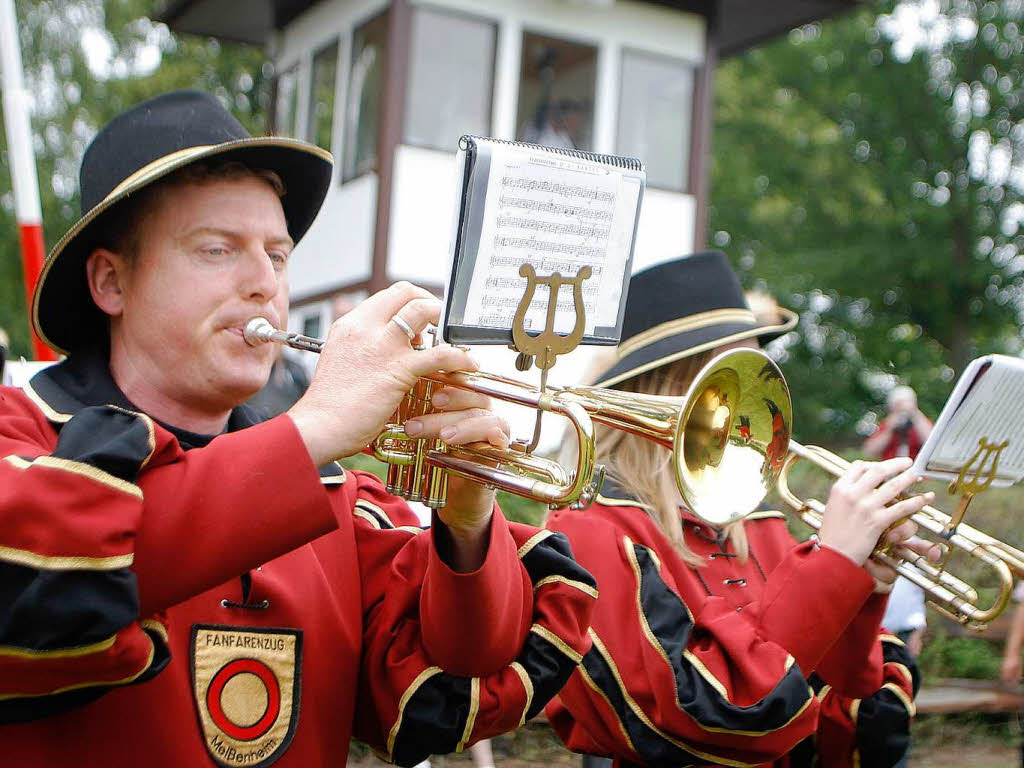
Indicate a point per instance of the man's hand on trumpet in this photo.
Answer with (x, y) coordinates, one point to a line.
(860, 512)
(371, 358)
(367, 365)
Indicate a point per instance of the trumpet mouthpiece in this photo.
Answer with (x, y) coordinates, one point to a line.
(258, 331)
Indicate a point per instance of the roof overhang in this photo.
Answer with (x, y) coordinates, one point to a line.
(739, 24)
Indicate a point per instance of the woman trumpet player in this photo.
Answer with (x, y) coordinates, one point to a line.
(735, 646)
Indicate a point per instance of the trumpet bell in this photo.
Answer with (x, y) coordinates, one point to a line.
(732, 435)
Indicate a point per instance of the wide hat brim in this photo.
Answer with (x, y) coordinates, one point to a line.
(63, 313)
(692, 335)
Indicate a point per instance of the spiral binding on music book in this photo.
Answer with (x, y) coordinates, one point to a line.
(618, 161)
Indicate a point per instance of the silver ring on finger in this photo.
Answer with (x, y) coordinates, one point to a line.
(406, 328)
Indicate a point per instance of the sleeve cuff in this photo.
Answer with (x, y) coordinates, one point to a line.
(810, 599)
(474, 623)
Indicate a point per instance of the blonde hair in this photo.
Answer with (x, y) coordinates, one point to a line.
(644, 469)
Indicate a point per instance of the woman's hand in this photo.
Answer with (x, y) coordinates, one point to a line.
(859, 508)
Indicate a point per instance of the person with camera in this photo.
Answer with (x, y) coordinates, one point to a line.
(903, 430)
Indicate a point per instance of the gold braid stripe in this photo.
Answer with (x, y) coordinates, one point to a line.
(78, 468)
(65, 563)
(369, 506)
(716, 759)
(62, 653)
(474, 708)
(555, 578)
(556, 641)
(533, 541)
(155, 626)
(903, 697)
(122, 681)
(42, 405)
(683, 324)
(421, 678)
(149, 426)
(618, 720)
(692, 659)
(520, 670)
(607, 501)
(367, 517)
(903, 671)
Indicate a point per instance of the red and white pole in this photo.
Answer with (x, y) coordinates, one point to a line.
(17, 106)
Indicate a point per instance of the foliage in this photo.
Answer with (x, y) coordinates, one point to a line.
(945, 655)
(515, 508)
(874, 182)
(85, 61)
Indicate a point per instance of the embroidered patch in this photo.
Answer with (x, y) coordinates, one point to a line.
(246, 682)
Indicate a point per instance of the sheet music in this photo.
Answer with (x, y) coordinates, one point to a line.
(989, 406)
(557, 213)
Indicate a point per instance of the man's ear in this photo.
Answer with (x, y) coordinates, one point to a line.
(107, 273)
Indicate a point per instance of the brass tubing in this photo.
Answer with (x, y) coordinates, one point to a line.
(517, 472)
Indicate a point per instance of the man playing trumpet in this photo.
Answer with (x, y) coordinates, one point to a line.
(184, 585)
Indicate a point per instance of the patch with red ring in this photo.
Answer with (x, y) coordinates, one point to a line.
(246, 683)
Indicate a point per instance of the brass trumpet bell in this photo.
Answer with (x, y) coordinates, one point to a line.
(728, 434)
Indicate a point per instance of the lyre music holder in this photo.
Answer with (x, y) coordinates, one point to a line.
(542, 349)
(974, 477)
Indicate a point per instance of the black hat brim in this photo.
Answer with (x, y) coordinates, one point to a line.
(63, 313)
(676, 346)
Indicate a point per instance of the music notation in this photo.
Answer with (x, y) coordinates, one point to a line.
(536, 225)
(558, 189)
(555, 208)
(557, 218)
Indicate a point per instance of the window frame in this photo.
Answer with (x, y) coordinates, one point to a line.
(694, 68)
(538, 28)
(335, 42)
(346, 134)
(294, 68)
(495, 25)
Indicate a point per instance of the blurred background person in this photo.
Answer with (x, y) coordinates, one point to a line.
(905, 614)
(557, 124)
(903, 430)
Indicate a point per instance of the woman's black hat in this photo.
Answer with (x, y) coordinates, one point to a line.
(686, 306)
(136, 149)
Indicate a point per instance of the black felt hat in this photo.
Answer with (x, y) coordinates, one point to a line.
(682, 307)
(136, 149)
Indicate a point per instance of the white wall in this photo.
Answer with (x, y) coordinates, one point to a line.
(338, 249)
(423, 198)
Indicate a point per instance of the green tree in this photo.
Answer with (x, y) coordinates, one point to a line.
(85, 61)
(869, 171)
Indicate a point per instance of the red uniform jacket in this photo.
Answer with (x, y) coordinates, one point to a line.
(694, 666)
(127, 636)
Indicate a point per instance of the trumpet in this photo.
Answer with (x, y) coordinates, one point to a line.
(730, 440)
(950, 595)
(418, 468)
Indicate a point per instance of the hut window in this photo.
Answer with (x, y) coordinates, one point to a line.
(321, 95)
(451, 71)
(286, 102)
(366, 84)
(655, 115)
(556, 92)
